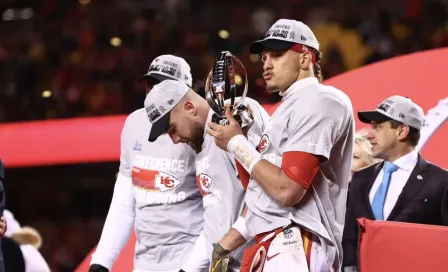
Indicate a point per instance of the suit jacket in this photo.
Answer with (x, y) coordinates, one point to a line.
(424, 200)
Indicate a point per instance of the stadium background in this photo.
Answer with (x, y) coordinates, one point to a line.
(64, 59)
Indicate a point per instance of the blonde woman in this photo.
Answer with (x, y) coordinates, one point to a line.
(362, 152)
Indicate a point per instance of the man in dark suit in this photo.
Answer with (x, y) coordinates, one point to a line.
(404, 187)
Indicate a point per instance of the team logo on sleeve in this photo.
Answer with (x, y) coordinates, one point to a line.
(264, 143)
(204, 183)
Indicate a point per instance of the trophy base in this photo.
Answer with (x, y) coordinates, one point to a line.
(222, 121)
(243, 117)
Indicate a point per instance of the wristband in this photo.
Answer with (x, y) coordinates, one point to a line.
(244, 152)
(240, 226)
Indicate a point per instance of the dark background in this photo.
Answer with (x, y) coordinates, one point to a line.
(58, 60)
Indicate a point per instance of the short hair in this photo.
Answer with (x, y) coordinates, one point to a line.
(414, 134)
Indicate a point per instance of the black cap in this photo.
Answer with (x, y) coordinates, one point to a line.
(369, 116)
(273, 44)
(158, 77)
(159, 127)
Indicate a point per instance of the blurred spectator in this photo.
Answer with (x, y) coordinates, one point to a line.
(12, 255)
(29, 241)
(362, 152)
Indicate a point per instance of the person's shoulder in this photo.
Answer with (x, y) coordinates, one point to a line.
(369, 168)
(138, 119)
(363, 174)
(249, 100)
(139, 114)
(328, 102)
(332, 95)
(434, 169)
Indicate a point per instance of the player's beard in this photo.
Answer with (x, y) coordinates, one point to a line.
(197, 135)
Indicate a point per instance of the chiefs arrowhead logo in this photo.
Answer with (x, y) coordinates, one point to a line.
(204, 183)
(165, 182)
(264, 143)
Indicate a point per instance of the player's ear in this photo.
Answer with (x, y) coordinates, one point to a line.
(305, 60)
(402, 132)
(190, 108)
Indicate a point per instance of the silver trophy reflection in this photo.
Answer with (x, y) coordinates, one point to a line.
(220, 90)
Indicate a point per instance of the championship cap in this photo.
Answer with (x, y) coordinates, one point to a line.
(283, 35)
(169, 66)
(398, 108)
(160, 101)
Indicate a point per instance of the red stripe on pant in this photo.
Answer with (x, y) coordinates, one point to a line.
(307, 238)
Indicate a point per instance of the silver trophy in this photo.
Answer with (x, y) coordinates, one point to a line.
(220, 90)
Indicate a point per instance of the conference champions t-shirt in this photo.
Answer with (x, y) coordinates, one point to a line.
(169, 212)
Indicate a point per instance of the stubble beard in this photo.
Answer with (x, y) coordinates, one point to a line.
(197, 137)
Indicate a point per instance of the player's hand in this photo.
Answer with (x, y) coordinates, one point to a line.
(223, 134)
(220, 259)
(2, 225)
(98, 268)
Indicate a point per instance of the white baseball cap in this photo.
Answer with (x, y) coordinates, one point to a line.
(284, 34)
(160, 101)
(169, 66)
(398, 108)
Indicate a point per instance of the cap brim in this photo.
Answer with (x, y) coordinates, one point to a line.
(159, 127)
(369, 116)
(153, 76)
(273, 44)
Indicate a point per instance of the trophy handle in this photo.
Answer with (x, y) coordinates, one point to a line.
(232, 76)
(209, 94)
(231, 71)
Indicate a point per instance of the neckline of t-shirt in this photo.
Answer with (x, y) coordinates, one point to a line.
(299, 84)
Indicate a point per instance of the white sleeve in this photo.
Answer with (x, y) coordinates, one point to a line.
(316, 127)
(261, 119)
(119, 224)
(33, 259)
(199, 259)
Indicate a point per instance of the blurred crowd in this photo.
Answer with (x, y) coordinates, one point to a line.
(83, 58)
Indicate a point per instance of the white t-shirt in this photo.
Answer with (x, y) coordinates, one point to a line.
(218, 181)
(315, 119)
(34, 262)
(156, 193)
